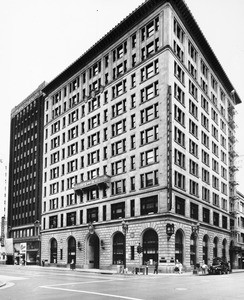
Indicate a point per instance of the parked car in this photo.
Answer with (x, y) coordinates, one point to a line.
(219, 266)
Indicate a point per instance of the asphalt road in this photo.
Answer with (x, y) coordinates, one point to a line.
(43, 283)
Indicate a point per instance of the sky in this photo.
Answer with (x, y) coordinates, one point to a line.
(41, 38)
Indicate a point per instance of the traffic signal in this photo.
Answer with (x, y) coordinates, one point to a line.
(139, 249)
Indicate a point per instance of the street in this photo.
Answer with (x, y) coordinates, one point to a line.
(24, 283)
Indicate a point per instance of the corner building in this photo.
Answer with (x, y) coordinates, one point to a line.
(138, 145)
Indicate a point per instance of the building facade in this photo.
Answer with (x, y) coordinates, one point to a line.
(25, 178)
(138, 147)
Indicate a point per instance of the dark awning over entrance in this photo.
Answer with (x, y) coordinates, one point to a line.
(100, 180)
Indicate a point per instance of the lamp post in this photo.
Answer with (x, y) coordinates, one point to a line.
(125, 230)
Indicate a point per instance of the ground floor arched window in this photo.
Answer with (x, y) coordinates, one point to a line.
(224, 244)
(119, 249)
(150, 246)
(71, 250)
(179, 246)
(53, 251)
(215, 247)
(205, 249)
(193, 250)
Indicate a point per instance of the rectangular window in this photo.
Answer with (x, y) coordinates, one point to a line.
(132, 208)
(179, 159)
(216, 219)
(179, 73)
(149, 157)
(205, 215)
(149, 135)
(194, 188)
(150, 113)
(194, 211)
(149, 205)
(179, 115)
(149, 179)
(71, 219)
(179, 94)
(179, 137)
(179, 205)
(118, 187)
(149, 92)
(117, 210)
(92, 215)
(180, 180)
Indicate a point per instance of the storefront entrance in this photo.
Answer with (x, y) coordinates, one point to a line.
(93, 251)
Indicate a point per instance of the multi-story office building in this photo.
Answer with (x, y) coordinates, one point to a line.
(25, 177)
(138, 145)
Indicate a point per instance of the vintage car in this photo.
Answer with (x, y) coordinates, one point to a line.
(219, 266)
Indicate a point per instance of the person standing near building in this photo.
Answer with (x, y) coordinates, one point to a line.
(156, 268)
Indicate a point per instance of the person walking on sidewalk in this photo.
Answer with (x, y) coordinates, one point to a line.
(156, 268)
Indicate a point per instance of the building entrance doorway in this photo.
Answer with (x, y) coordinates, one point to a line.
(93, 252)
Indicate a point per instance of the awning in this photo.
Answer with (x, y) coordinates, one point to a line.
(104, 179)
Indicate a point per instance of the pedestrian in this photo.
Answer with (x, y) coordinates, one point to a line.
(204, 267)
(229, 265)
(178, 266)
(156, 268)
(72, 265)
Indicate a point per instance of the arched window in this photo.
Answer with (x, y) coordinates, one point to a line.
(224, 249)
(150, 246)
(119, 249)
(179, 246)
(205, 249)
(53, 251)
(71, 249)
(193, 250)
(215, 247)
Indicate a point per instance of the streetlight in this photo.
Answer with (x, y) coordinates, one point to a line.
(125, 230)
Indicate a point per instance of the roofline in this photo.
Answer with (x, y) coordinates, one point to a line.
(131, 20)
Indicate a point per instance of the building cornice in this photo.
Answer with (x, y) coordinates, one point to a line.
(128, 23)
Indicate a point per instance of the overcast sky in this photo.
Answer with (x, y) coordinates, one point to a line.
(40, 38)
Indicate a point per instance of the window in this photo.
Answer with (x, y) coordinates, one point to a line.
(71, 219)
(133, 80)
(216, 219)
(194, 188)
(53, 222)
(179, 205)
(118, 147)
(205, 157)
(119, 89)
(215, 199)
(118, 187)
(179, 137)
(192, 89)
(149, 92)
(150, 29)
(119, 108)
(119, 128)
(224, 222)
(92, 215)
(205, 121)
(94, 121)
(178, 31)
(179, 115)
(149, 113)
(205, 215)
(149, 135)
(193, 109)
(132, 162)
(193, 148)
(179, 73)
(179, 159)
(205, 194)
(204, 104)
(192, 70)
(193, 168)
(93, 139)
(132, 183)
(149, 179)
(118, 167)
(133, 121)
(149, 205)
(180, 180)
(149, 70)
(205, 176)
(192, 51)
(149, 157)
(204, 85)
(194, 211)
(205, 139)
(117, 210)
(179, 94)
(178, 51)
(204, 69)
(215, 182)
